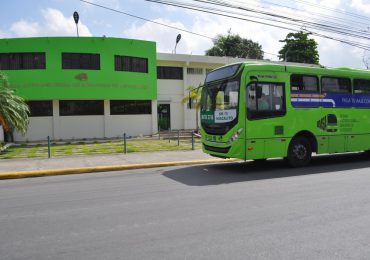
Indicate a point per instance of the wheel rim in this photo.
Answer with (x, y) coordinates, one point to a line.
(300, 151)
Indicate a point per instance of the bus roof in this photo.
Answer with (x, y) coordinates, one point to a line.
(290, 67)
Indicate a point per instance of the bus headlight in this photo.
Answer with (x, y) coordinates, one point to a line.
(235, 135)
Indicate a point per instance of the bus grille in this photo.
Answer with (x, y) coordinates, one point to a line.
(216, 149)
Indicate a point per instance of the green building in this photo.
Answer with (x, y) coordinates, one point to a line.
(98, 87)
(86, 87)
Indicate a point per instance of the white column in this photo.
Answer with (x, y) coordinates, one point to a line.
(106, 118)
(185, 86)
(56, 121)
(154, 116)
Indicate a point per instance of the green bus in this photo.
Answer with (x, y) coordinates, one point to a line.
(255, 111)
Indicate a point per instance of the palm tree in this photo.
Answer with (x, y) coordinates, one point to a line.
(14, 110)
(194, 97)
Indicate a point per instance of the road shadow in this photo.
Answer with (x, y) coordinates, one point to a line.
(223, 173)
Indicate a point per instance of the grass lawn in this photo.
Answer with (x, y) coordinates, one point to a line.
(108, 147)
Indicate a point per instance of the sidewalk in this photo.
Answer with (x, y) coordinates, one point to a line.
(32, 167)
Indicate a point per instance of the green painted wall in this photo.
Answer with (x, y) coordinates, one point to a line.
(106, 83)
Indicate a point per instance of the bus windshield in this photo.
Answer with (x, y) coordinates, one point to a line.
(219, 105)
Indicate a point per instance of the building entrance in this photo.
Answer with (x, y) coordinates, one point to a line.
(164, 117)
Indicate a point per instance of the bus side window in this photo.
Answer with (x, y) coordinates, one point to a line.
(265, 100)
(336, 85)
(361, 86)
(278, 96)
(304, 83)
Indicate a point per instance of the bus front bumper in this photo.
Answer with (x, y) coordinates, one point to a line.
(235, 149)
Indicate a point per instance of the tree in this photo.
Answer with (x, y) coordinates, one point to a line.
(14, 110)
(299, 48)
(193, 98)
(232, 45)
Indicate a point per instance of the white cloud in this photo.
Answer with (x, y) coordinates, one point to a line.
(336, 54)
(330, 3)
(4, 35)
(24, 28)
(360, 6)
(166, 37)
(54, 24)
(205, 25)
(317, 6)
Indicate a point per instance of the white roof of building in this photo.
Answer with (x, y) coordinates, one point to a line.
(187, 58)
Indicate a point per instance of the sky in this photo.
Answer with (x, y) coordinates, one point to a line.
(38, 18)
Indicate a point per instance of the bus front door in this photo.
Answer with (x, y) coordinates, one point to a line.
(265, 120)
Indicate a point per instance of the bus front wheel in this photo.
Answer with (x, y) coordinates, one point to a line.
(299, 152)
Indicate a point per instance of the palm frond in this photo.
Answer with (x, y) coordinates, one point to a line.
(14, 111)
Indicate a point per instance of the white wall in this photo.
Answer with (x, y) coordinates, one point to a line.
(190, 114)
(79, 127)
(172, 92)
(82, 127)
(38, 129)
(167, 88)
(177, 114)
(132, 125)
(154, 116)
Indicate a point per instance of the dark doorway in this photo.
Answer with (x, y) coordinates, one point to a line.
(164, 117)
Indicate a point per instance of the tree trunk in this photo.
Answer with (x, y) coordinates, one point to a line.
(1, 134)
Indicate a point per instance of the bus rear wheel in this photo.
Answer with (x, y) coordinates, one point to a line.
(299, 152)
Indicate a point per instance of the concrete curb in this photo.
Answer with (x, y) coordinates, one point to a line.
(65, 171)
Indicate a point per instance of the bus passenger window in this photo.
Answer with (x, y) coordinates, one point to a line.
(335, 85)
(304, 83)
(361, 86)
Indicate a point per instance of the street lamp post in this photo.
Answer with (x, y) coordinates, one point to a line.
(178, 38)
(76, 17)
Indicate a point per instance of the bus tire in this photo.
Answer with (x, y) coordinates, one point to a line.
(299, 152)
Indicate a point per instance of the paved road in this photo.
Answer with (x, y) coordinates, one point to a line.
(229, 211)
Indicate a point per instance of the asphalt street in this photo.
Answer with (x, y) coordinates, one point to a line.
(219, 211)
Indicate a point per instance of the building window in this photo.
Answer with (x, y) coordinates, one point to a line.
(361, 86)
(131, 64)
(130, 107)
(81, 107)
(304, 83)
(335, 85)
(194, 71)
(22, 61)
(40, 108)
(75, 61)
(164, 72)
